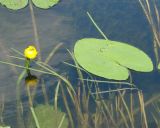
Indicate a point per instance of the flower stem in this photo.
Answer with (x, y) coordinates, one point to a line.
(27, 65)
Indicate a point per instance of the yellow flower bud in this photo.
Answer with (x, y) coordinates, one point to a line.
(30, 52)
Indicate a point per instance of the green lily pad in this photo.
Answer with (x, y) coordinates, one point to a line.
(89, 55)
(110, 59)
(128, 56)
(19, 4)
(45, 4)
(5, 127)
(14, 4)
(48, 117)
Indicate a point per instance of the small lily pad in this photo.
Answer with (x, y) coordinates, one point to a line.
(45, 4)
(19, 4)
(14, 4)
(48, 117)
(110, 59)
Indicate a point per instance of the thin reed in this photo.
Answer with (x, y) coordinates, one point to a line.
(152, 11)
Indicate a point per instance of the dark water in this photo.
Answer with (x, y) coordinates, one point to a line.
(67, 22)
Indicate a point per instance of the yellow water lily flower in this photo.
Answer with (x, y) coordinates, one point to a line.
(30, 52)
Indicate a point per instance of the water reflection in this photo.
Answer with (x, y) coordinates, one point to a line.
(31, 80)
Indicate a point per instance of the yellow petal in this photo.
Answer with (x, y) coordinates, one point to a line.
(30, 52)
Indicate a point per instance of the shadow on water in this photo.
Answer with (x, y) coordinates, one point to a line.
(66, 23)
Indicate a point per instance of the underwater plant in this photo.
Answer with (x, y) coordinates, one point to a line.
(48, 117)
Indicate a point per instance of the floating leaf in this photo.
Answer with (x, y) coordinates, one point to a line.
(18, 4)
(45, 4)
(5, 127)
(89, 55)
(48, 116)
(14, 4)
(128, 56)
(109, 59)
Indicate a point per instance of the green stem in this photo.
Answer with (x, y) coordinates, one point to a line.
(90, 17)
(27, 65)
(35, 117)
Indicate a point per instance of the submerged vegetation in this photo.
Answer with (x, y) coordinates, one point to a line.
(84, 104)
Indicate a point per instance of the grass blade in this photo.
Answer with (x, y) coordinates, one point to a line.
(101, 32)
(35, 117)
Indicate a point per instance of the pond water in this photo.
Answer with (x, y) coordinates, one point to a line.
(66, 23)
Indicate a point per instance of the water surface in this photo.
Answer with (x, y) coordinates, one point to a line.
(66, 23)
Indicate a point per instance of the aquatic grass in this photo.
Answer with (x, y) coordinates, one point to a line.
(81, 99)
(116, 90)
(111, 82)
(156, 111)
(20, 120)
(52, 53)
(118, 110)
(127, 109)
(85, 96)
(157, 115)
(41, 64)
(84, 101)
(142, 107)
(54, 73)
(79, 108)
(152, 14)
(105, 109)
(123, 103)
(107, 113)
(61, 122)
(56, 95)
(45, 66)
(123, 117)
(131, 98)
(67, 107)
(109, 90)
(44, 91)
(35, 117)
(30, 99)
(2, 106)
(23, 67)
(110, 110)
(48, 70)
(97, 27)
(156, 120)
